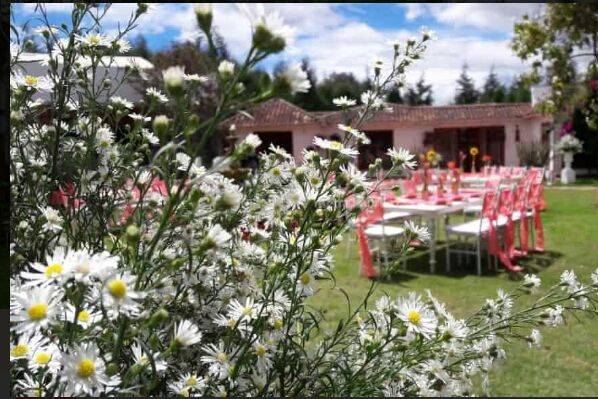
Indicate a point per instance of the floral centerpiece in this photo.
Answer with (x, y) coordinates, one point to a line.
(473, 151)
(568, 145)
(168, 278)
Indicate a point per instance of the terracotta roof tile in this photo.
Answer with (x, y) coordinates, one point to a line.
(280, 112)
(275, 111)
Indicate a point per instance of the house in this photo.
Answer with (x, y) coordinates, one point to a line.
(494, 128)
(113, 68)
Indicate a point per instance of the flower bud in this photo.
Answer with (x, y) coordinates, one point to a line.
(159, 316)
(161, 123)
(226, 69)
(111, 369)
(132, 232)
(203, 13)
(174, 79)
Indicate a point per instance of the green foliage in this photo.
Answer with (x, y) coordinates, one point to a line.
(340, 84)
(552, 41)
(494, 91)
(420, 94)
(466, 91)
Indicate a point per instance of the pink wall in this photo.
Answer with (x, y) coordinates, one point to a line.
(412, 136)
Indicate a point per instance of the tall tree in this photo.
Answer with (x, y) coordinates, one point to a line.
(394, 95)
(565, 32)
(493, 91)
(420, 94)
(466, 91)
(518, 91)
(340, 84)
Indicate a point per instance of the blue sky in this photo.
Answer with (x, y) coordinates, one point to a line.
(347, 37)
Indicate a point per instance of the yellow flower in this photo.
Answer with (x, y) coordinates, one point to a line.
(431, 155)
(473, 151)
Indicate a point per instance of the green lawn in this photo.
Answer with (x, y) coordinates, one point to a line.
(567, 365)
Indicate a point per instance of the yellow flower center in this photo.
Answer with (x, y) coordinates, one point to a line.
(117, 288)
(19, 351)
(260, 351)
(221, 357)
(39, 392)
(83, 316)
(277, 324)
(336, 145)
(414, 316)
(31, 80)
(94, 39)
(38, 311)
(247, 311)
(86, 368)
(305, 279)
(55, 269)
(43, 358)
(144, 360)
(276, 171)
(191, 381)
(231, 323)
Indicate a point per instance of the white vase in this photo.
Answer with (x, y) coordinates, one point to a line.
(567, 173)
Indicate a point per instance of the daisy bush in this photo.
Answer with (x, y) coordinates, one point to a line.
(136, 269)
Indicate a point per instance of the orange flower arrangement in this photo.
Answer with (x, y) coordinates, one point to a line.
(487, 159)
(451, 165)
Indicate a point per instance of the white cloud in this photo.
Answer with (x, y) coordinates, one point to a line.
(336, 43)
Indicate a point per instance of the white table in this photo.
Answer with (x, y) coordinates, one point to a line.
(432, 213)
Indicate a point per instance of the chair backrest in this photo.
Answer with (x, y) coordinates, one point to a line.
(493, 182)
(506, 200)
(489, 208)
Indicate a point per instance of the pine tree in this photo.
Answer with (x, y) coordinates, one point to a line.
(421, 94)
(518, 92)
(140, 48)
(394, 95)
(466, 91)
(494, 91)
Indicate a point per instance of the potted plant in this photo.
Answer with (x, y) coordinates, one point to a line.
(568, 145)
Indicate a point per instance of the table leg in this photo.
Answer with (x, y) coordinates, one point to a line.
(432, 227)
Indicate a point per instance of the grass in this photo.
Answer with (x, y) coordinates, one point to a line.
(567, 364)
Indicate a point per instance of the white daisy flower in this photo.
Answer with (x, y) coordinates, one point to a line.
(569, 280)
(47, 356)
(83, 266)
(195, 78)
(531, 281)
(306, 283)
(454, 328)
(121, 45)
(217, 359)
(417, 317)
(534, 339)
(186, 333)
(242, 312)
(192, 381)
(263, 353)
(226, 68)
(270, 22)
(104, 138)
(94, 40)
(402, 158)
(335, 146)
(119, 102)
(53, 219)
(419, 233)
(437, 369)
(156, 94)
(150, 137)
(216, 236)
(252, 140)
(296, 79)
(54, 269)
(35, 307)
(85, 317)
(142, 359)
(179, 388)
(554, 316)
(26, 346)
(353, 175)
(375, 101)
(344, 101)
(118, 295)
(31, 82)
(139, 118)
(594, 277)
(85, 371)
(360, 136)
